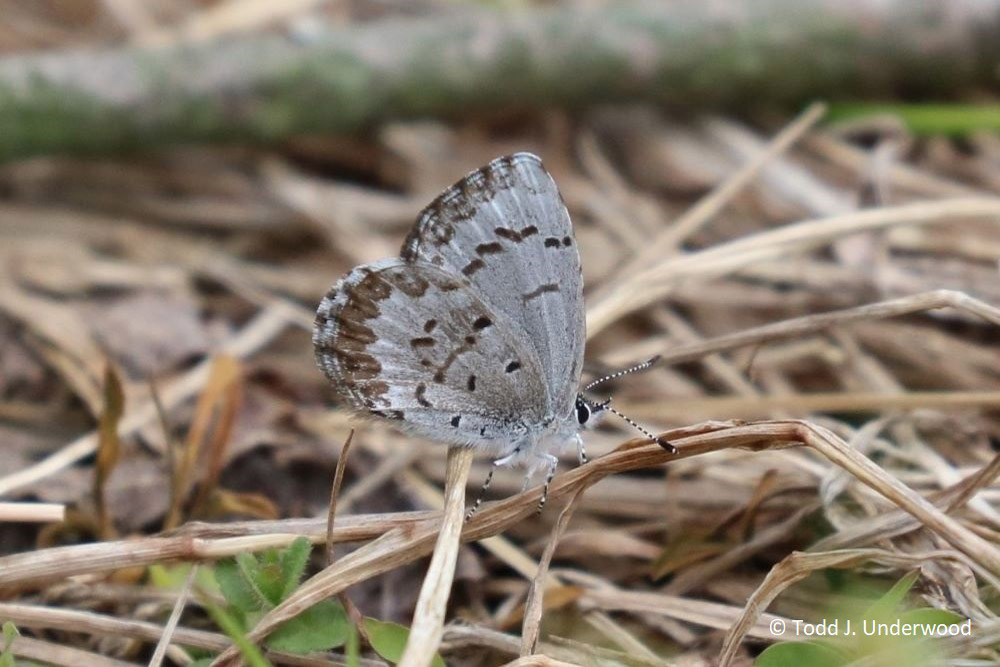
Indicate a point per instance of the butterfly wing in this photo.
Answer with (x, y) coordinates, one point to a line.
(414, 343)
(506, 229)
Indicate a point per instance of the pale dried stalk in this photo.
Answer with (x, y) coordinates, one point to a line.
(538, 661)
(699, 612)
(31, 512)
(658, 281)
(428, 617)
(175, 617)
(64, 656)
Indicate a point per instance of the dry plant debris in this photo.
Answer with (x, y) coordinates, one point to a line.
(826, 303)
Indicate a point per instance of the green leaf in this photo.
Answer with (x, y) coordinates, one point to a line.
(389, 640)
(10, 633)
(202, 662)
(889, 602)
(323, 626)
(235, 587)
(795, 654)
(293, 564)
(270, 582)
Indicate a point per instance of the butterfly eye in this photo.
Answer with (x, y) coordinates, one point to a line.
(582, 412)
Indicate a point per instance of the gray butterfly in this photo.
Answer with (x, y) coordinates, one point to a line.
(474, 336)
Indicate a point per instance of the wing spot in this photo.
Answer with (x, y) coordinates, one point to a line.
(567, 241)
(439, 377)
(429, 325)
(473, 266)
(471, 384)
(513, 234)
(456, 420)
(419, 393)
(470, 339)
(540, 290)
(491, 248)
(423, 341)
(389, 414)
(481, 323)
(513, 366)
(551, 242)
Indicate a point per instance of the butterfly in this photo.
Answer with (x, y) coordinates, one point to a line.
(474, 336)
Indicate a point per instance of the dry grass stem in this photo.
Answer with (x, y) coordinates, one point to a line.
(31, 512)
(428, 619)
(536, 594)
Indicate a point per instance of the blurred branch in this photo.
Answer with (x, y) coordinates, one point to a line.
(266, 87)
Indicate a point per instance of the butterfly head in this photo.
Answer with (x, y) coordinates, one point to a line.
(589, 413)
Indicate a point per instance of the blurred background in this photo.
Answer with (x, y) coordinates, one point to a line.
(181, 182)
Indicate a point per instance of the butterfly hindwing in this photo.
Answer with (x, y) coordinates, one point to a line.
(505, 229)
(413, 343)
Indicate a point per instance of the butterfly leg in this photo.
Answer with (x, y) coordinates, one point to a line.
(581, 452)
(482, 491)
(552, 463)
(502, 461)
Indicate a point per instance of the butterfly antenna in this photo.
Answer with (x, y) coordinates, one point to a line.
(606, 405)
(617, 374)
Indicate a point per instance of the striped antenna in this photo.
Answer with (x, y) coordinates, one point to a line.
(617, 374)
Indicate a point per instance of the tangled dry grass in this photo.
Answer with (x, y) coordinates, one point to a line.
(824, 300)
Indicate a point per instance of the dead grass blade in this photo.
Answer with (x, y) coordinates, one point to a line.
(338, 479)
(108, 447)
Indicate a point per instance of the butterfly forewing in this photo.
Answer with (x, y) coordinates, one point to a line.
(414, 343)
(505, 229)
